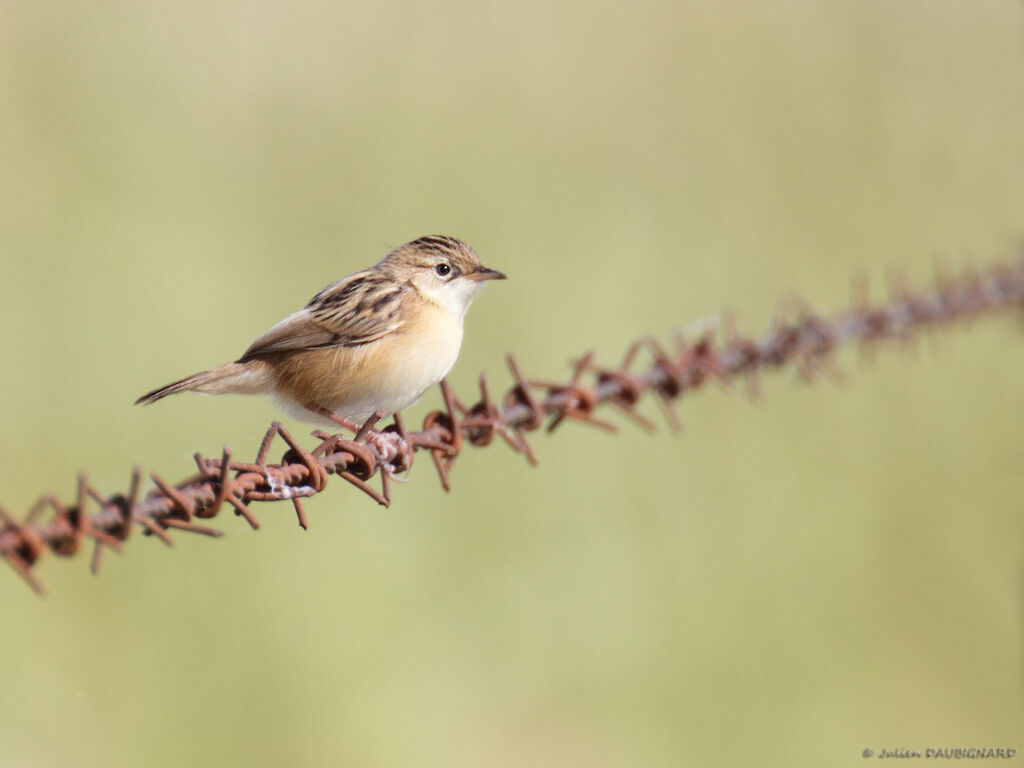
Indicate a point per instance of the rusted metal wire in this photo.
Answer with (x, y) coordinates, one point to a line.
(804, 339)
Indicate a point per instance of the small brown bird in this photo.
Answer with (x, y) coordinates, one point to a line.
(374, 341)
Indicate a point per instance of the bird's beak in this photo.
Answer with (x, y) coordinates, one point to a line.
(481, 273)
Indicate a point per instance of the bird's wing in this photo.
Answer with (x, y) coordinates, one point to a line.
(355, 310)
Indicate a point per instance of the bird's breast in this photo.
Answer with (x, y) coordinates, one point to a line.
(421, 355)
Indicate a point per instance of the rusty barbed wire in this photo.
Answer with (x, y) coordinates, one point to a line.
(806, 339)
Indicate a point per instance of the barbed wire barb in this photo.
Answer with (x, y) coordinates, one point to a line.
(798, 337)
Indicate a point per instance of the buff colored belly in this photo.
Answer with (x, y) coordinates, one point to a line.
(387, 375)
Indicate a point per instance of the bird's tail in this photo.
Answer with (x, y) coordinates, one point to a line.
(247, 378)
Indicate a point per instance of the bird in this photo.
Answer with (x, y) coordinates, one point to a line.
(365, 347)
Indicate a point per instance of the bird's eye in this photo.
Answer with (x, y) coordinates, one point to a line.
(442, 269)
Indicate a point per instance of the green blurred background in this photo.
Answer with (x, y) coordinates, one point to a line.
(786, 583)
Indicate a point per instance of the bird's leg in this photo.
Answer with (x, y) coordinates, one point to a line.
(339, 420)
(385, 443)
